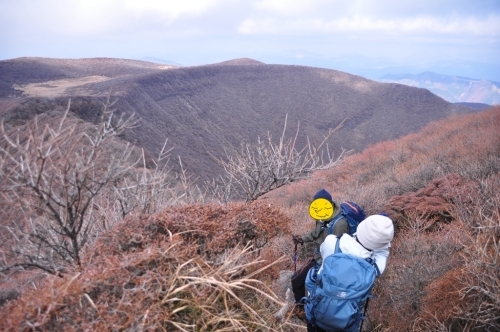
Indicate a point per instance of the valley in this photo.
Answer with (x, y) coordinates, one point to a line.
(207, 111)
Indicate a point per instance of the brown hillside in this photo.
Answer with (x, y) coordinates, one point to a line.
(206, 110)
(172, 271)
(440, 186)
(184, 267)
(15, 73)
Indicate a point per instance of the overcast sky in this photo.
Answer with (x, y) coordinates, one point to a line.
(365, 37)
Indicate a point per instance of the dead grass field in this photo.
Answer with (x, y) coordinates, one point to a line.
(59, 88)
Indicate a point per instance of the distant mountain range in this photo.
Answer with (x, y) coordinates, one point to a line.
(206, 110)
(157, 60)
(454, 89)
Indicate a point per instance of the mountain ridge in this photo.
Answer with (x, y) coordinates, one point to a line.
(206, 111)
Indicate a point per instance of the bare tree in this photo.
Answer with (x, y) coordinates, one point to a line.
(188, 191)
(265, 166)
(220, 189)
(145, 189)
(52, 175)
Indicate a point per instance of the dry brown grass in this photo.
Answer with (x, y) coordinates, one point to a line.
(439, 186)
(192, 268)
(161, 289)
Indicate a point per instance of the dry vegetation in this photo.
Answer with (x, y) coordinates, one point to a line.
(440, 188)
(265, 166)
(189, 268)
(205, 110)
(206, 267)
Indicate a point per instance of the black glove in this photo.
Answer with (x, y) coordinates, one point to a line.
(297, 239)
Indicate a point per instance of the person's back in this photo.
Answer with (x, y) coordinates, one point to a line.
(372, 240)
(323, 209)
(367, 252)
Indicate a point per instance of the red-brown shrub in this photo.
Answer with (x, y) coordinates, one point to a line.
(442, 302)
(184, 267)
(210, 229)
(431, 205)
(417, 258)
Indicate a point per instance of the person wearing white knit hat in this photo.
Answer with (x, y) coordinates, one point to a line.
(371, 240)
(375, 232)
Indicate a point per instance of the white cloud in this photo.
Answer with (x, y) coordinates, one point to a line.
(203, 31)
(289, 8)
(101, 16)
(489, 27)
(170, 9)
(260, 17)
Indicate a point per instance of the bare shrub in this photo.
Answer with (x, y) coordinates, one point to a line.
(143, 189)
(221, 189)
(64, 183)
(148, 189)
(263, 167)
(53, 178)
(481, 279)
(183, 268)
(417, 258)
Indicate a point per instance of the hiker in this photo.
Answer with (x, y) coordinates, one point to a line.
(371, 241)
(323, 209)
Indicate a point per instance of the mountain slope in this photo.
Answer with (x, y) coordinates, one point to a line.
(208, 109)
(205, 110)
(443, 265)
(23, 71)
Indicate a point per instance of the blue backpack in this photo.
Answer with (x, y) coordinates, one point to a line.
(337, 295)
(353, 213)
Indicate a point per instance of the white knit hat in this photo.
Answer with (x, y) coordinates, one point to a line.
(375, 232)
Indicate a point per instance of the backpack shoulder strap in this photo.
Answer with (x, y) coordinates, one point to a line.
(372, 263)
(377, 271)
(332, 223)
(337, 246)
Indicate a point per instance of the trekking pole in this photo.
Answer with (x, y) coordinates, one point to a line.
(364, 313)
(295, 256)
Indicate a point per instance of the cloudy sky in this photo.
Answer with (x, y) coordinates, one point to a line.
(365, 37)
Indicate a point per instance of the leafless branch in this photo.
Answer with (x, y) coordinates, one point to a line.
(53, 175)
(262, 167)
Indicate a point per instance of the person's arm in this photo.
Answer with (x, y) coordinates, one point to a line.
(341, 227)
(312, 235)
(380, 256)
(327, 248)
